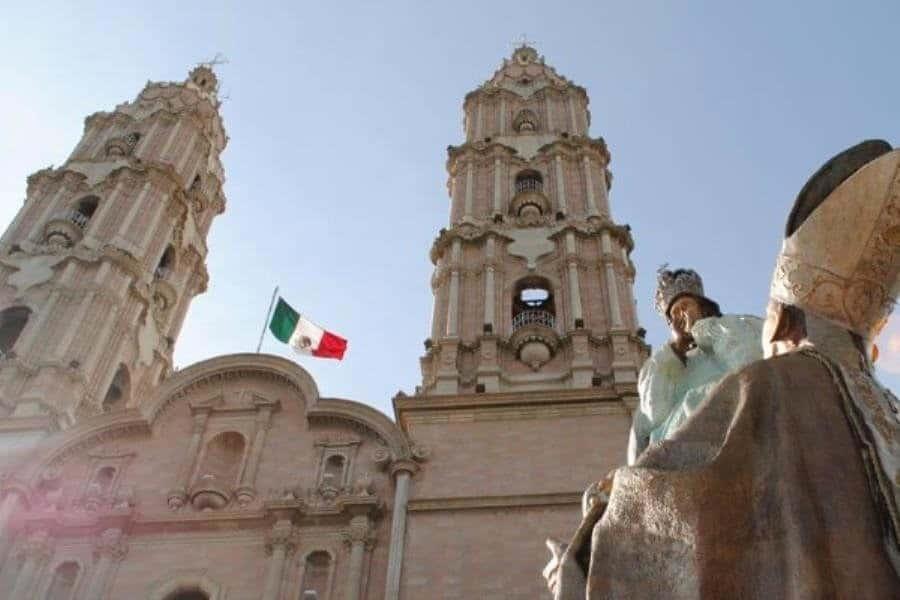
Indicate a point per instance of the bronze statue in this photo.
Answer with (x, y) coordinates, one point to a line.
(784, 483)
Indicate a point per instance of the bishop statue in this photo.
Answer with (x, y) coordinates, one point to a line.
(785, 480)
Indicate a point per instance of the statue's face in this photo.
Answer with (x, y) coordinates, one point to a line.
(684, 312)
(771, 346)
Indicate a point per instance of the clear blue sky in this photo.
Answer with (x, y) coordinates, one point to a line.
(339, 115)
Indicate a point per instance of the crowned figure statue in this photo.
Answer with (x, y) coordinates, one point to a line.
(784, 481)
(705, 346)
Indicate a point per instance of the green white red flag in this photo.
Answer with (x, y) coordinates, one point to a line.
(304, 336)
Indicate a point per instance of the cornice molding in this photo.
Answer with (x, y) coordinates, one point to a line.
(493, 502)
(475, 231)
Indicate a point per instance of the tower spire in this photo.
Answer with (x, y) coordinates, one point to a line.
(101, 263)
(533, 279)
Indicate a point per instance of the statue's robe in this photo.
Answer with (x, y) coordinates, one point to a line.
(671, 390)
(771, 490)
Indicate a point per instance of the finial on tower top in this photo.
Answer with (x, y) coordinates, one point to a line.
(524, 52)
(204, 75)
(523, 42)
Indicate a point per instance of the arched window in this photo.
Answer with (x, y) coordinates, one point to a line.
(334, 471)
(166, 263)
(529, 181)
(86, 207)
(224, 454)
(62, 586)
(533, 303)
(119, 388)
(104, 478)
(188, 594)
(12, 322)
(316, 573)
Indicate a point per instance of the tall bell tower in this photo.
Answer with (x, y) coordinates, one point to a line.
(532, 281)
(100, 265)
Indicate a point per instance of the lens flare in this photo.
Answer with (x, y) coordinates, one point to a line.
(888, 342)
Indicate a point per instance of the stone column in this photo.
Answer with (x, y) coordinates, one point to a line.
(358, 536)
(489, 282)
(402, 472)
(453, 304)
(574, 287)
(280, 545)
(502, 115)
(245, 491)
(479, 120)
(615, 310)
(109, 549)
(178, 496)
(560, 185)
(498, 189)
(35, 551)
(572, 122)
(589, 188)
(470, 176)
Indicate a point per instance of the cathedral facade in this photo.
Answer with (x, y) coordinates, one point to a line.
(233, 478)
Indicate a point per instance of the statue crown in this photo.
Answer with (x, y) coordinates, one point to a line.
(672, 284)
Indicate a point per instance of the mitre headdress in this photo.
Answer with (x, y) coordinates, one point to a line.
(840, 259)
(671, 285)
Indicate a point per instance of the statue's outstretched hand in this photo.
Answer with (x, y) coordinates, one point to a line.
(551, 571)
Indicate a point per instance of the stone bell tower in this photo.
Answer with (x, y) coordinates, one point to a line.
(532, 280)
(101, 263)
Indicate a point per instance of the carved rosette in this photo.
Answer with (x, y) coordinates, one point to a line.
(245, 495)
(176, 498)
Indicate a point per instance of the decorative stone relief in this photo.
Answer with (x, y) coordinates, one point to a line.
(111, 543)
(281, 535)
(531, 244)
(32, 271)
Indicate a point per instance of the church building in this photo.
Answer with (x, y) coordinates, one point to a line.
(233, 478)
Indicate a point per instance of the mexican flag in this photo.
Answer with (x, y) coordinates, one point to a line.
(303, 335)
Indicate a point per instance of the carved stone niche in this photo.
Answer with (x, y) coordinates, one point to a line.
(336, 462)
(102, 490)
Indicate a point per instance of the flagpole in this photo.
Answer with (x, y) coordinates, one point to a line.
(262, 333)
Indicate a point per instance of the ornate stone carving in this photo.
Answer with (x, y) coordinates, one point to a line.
(420, 452)
(281, 536)
(382, 457)
(364, 485)
(111, 543)
(31, 270)
(210, 493)
(359, 531)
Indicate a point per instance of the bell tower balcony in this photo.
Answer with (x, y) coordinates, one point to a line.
(65, 228)
(529, 202)
(534, 337)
